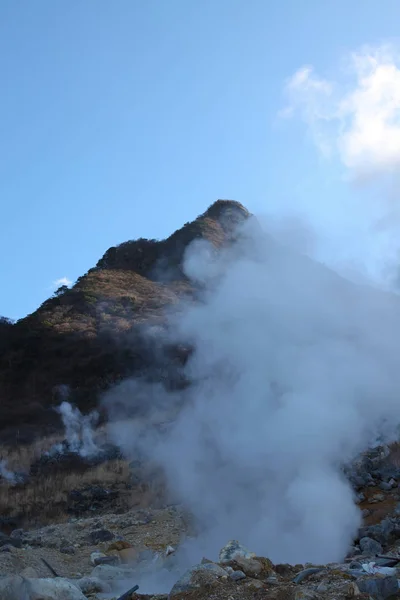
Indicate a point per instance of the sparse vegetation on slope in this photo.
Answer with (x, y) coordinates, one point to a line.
(90, 336)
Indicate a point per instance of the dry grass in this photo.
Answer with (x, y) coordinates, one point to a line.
(46, 499)
(21, 457)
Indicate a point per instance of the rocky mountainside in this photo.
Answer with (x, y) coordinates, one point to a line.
(90, 336)
(109, 555)
(76, 526)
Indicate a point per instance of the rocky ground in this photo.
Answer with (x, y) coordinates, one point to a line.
(106, 555)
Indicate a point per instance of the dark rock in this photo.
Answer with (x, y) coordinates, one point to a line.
(370, 546)
(17, 533)
(285, 570)
(386, 562)
(9, 541)
(67, 549)
(251, 567)
(237, 575)
(384, 532)
(91, 498)
(100, 535)
(379, 588)
(386, 487)
(106, 560)
(359, 475)
(355, 565)
(35, 541)
(386, 473)
(8, 524)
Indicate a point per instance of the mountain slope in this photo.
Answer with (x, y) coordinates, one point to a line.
(90, 336)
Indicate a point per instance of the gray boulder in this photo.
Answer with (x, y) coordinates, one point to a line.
(20, 588)
(9, 541)
(237, 575)
(384, 532)
(370, 546)
(13, 588)
(385, 486)
(197, 577)
(379, 588)
(249, 566)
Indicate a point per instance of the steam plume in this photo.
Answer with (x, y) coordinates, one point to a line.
(79, 430)
(294, 372)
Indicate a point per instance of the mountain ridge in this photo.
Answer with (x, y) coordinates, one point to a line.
(89, 336)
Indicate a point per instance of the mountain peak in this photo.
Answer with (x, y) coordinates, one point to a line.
(221, 207)
(146, 257)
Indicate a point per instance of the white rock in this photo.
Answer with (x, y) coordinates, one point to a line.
(57, 589)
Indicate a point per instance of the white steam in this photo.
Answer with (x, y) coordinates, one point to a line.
(295, 371)
(79, 430)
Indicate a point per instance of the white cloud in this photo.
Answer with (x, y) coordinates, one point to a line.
(62, 281)
(356, 116)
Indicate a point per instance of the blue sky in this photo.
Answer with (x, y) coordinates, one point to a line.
(126, 119)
